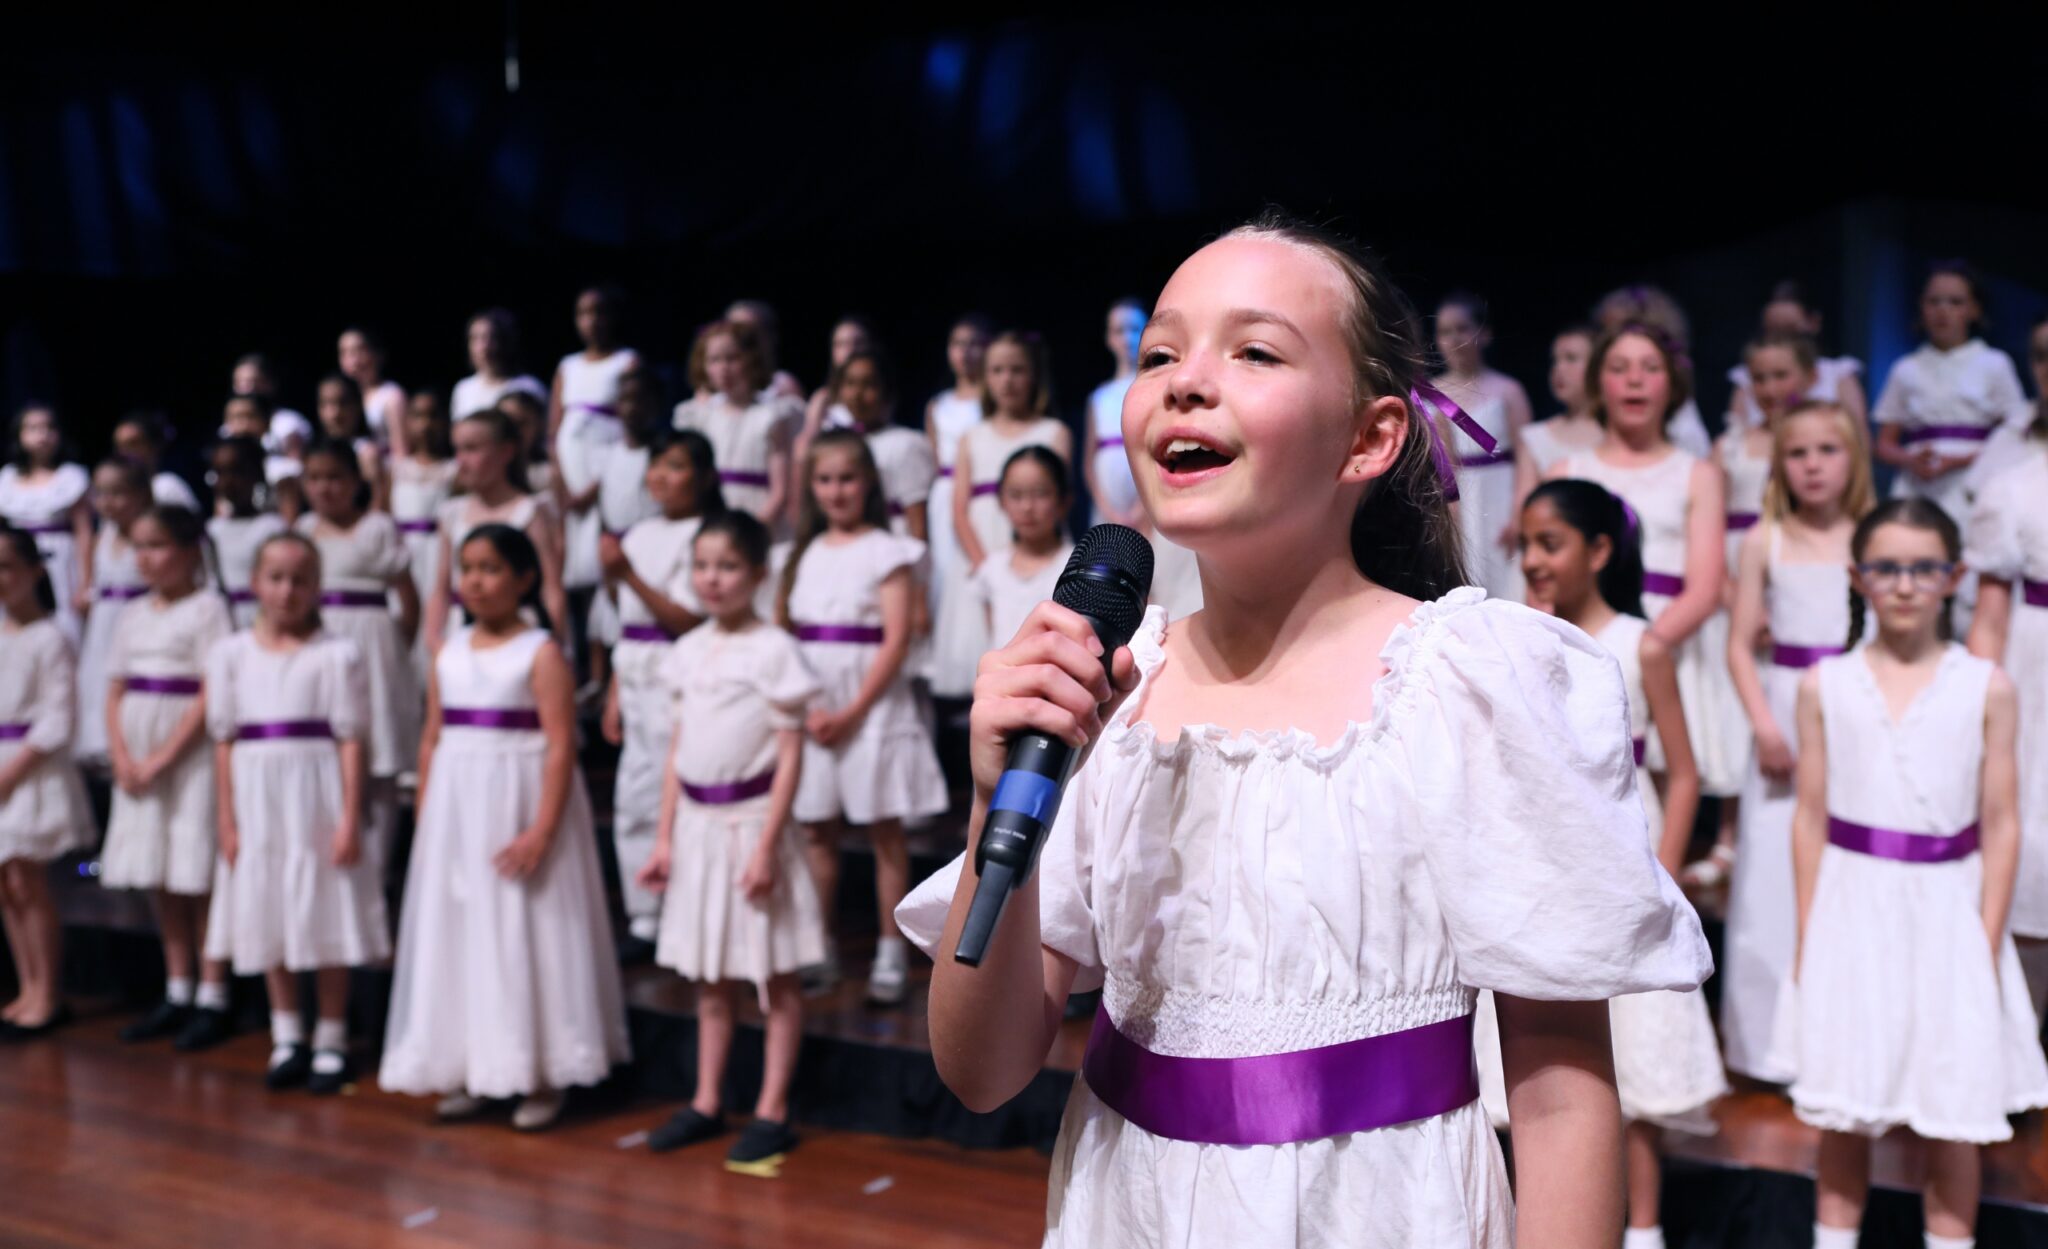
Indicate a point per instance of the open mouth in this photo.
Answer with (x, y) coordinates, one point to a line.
(1184, 457)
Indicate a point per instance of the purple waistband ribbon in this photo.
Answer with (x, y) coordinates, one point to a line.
(605, 410)
(867, 635)
(945, 470)
(1887, 843)
(1929, 433)
(1739, 521)
(13, 732)
(524, 719)
(241, 596)
(47, 529)
(1787, 656)
(352, 598)
(742, 477)
(1279, 1099)
(1663, 583)
(985, 487)
(186, 686)
(424, 525)
(644, 633)
(1641, 747)
(2034, 593)
(731, 792)
(278, 730)
(1486, 459)
(121, 593)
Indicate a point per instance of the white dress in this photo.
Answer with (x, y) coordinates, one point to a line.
(116, 583)
(503, 987)
(163, 837)
(2009, 539)
(1546, 446)
(1748, 476)
(733, 692)
(1112, 466)
(1667, 1062)
(473, 394)
(1661, 494)
(1900, 1015)
(951, 418)
(357, 568)
(47, 816)
(887, 769)
(622, 502)
(659, 550)
(742, 443)
(1009, 598)
(1263, 893)
(418, 492)
(459, 519)
(383, 408)
(1486, 493)
(1687, 430)
(236, 540)
(589, 433)
(960, 632)
(284, 903)
(904, 461)
(44, 510)
(1829, 372)
(1953, 400)
(1808, 607)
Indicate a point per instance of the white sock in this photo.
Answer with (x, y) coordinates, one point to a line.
(893, 950)
(1643, 1238)
(331, 1034)
(1825, 1237)
(645, 927)
(286, 1029)
(178, 990)
(211, 997)
(1951, 1242)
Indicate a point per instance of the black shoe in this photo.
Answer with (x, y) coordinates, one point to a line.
(291, 1072)
(686, 1127)
(635, 951)
(207, 1028)
(22, 1032)
(762, 1142)
(168, 1019)
(327, 1083)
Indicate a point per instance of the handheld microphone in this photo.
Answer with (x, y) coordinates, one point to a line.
(1106, 580)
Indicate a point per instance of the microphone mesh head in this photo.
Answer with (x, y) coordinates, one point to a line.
(1107, 580)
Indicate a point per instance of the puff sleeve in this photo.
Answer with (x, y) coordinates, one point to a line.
(1992, 542)
(785, 681)
(51, 712)
(219, 675)
(1515, 737)
(386, 553)
(348, 714)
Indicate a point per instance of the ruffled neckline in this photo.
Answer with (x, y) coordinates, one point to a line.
(1406, 650)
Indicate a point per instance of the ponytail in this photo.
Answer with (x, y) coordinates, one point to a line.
(1596, 512)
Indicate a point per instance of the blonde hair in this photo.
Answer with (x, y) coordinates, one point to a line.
(1858, 498)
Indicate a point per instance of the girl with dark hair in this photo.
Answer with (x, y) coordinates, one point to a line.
(238, 526)
(622, 502)
(1323, 812)
(359, 355)
(1486, 478)
(422, 481)
(947, 418)
(1023, 574)
(343, 424)
(1911, 1009)
(140, 437)
(492, 475)
(1112, 489)
(851, 334)
(1576, 428)
(494, 355)
(160, 831)
(585, 431)
(865, 386)
(45, 494)
(507, 982)
(749, 428)
(44, 813)
(868, 758)
(120, 494)
(1788, 313)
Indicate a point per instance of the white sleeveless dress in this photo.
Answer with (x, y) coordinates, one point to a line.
(1264, 893)
(1486, 492)
(356, 570)
(622, 502)
(418, 492)
(1808, 607)
(116, 582)
(589, 433)
(1748, 475)
(951, 416)
(236, 540)
(1829, 372)
(460, 518)
(960, 634)
(48, 815)
(44, 509)
(1112, 465)
(1008, 598)
(503, 987)
(473, 394)
(1901, 1016)
(741, 443)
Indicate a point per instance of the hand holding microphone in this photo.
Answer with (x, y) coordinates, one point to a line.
(1039, 701)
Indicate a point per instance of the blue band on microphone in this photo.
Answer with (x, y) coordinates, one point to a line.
(1027, 794)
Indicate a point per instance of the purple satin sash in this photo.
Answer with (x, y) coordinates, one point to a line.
(1103, 444)
(731, 792)
(241, 596)
(2034, 593)
(1642, 748)
(895, 508)
(186, 686)
(742, 477)
(945, 470)
(985, 487)
(1279, 1099)
(1739, 521)
(644, 633)
(1663, 583)
(427, 525)
(13, 732)
(1928, 433)
(867, 635)
(515, 718)
(1486, 459)
(1801, 656)
(1886, 843)
(605, 410)
(47, 529)
(353, 598)
(120, 593)
(277, 730)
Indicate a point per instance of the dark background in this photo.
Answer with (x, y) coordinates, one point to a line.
(176, 189)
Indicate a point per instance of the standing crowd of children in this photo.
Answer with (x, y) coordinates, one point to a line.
(761, 596)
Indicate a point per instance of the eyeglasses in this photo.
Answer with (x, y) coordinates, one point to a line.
(1927, 574)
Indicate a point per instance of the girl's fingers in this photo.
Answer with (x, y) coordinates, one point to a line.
(1051, 647)
(1046, 683)
(1010, 715)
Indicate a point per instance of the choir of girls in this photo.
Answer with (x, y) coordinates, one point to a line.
(758, 598)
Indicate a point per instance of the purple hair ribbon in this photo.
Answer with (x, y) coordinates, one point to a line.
(1425, 395)
(1628, 514)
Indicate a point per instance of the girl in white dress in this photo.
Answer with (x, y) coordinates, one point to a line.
(296, 888)
(1016, 402)
(495, 490)
(44, 494)
(160, 830)
(239, 526)
(342, 424)
(851, 335)
(1792, 576)
(740, 905)
(507, 982)
(1910, 1009)
(584, 429)
(140, 438)
(947, 418)
(1298, 867)
(44, 813)
(2008, 546)
(749, 428)
(1111, 488)
(1642, 304)
(1020, 575)
(363, 568)
(650, 565)
(759, 316)
(868, 756)
(866, 389)
(1486, 479)
(1837, 379)
(1545, 442)
(359, 354)
(1638, 378)
(494, 354)
(422, 481)
(1577, 546)
(120, 494)
(622, 502)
